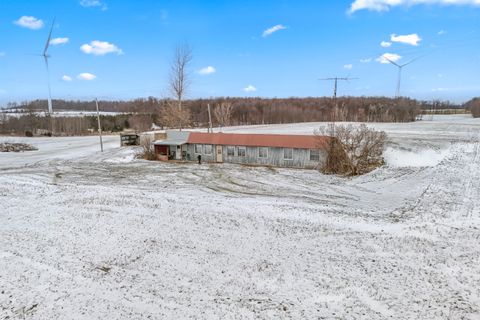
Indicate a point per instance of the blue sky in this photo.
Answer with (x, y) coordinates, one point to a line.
(119, 49)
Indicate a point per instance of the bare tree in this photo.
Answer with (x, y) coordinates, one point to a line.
(175, 117)
(352, 150)
(180, 77)
(140, 122)
(223, 113)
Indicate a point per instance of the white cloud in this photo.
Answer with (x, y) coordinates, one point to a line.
(273, 29)
(348, 67)
(29, 22)
(366, 60)
(207, 70)
(390, 56)
(411, 39)
(2, 54)
(385, 5)
(249, 88)
(93, 4)
(57, 41)
(100, 48)
(441, 32)
(86, 76)
(386, 44)
(67, 78)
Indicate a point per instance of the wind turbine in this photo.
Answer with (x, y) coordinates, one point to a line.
(400, 68)
(46, 56)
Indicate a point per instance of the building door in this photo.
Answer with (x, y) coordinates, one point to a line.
(178, 154)
(219, 154)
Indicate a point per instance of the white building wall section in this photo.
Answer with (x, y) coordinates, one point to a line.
(275, 157)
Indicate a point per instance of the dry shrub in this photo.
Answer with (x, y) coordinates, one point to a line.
(352, 149)
(474, 106)
(147, 151)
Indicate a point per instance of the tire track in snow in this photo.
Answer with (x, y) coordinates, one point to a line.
(468, 202)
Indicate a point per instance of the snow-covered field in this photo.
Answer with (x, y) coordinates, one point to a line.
(85, 235)
(65, 113)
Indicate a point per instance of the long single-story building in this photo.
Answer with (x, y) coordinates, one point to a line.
(296, 151)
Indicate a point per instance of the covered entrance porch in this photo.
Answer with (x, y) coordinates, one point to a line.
(172, 148)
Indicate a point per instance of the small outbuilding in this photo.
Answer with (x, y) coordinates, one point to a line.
(129, 139)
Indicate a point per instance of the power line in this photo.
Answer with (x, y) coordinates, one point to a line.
(335, 89)
(335, 86)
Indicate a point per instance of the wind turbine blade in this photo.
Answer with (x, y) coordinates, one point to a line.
(49, 38)
(45, 58)
(411, 61)
(391, 61)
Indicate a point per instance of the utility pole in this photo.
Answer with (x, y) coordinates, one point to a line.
(335, 88)
(209, 119)
(52, 124)
(332, 158)
(99, 125)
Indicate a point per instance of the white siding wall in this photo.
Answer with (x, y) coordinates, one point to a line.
(301, 157)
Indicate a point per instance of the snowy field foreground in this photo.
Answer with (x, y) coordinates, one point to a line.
(85, 235)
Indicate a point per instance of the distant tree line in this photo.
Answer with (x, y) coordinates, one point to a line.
(34, 124)
(150, 105)
(140, 114)
(250, 111)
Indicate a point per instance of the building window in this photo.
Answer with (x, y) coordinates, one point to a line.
(230, 151)
(314, 155)
(208, 149)
(288, 154)
(263, 152)
(198, 148)
(242, 151)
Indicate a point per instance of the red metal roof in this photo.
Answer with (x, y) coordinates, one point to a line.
(259, 140)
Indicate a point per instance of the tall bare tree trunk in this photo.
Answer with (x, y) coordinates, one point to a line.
(180, 78)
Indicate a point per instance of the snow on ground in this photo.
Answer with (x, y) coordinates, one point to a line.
(65, 148)
(421, 143)
(65, 113)
(85, 235)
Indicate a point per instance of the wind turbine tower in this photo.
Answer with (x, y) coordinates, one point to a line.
(46, 56)
(400, 68)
